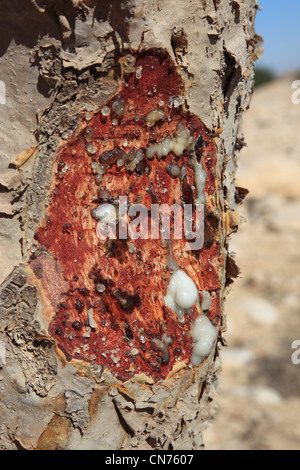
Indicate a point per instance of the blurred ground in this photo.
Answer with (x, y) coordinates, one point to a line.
(258, 396)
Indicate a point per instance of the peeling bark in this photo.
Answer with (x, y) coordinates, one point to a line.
(62, 62)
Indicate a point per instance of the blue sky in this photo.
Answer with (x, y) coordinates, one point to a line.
(279, 24)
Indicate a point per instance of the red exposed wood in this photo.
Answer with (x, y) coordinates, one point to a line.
(123, 339)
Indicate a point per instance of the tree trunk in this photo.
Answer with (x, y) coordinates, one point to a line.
(142, 99)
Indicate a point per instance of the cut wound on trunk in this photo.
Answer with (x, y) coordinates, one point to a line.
(146, 146)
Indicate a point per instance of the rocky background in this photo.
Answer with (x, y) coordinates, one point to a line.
(258, 395)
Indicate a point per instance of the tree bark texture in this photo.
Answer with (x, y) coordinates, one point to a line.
(62, 61)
